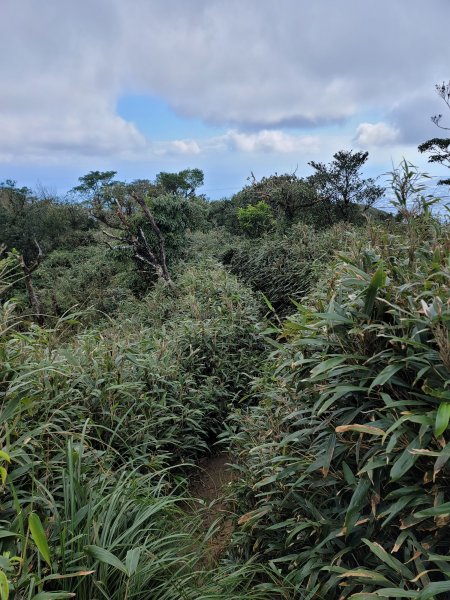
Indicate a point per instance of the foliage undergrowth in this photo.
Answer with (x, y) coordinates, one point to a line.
(285, 267)
(342, 458)
(96, 433)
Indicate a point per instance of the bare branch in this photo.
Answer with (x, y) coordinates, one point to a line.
(156, 230)
(114, 237)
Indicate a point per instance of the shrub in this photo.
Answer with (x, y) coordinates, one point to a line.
(285, 267)
(343, 461)
(255, 220)
(90, 277)
(95, 430)
(161, 379)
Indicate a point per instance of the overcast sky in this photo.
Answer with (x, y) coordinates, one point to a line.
(229, 86)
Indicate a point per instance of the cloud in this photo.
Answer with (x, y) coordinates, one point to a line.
(411, 116)
(265, 142)
(254, 68)
(184, 147)
(62, 138)
(260, 64)
(269, 141)
(375, 134)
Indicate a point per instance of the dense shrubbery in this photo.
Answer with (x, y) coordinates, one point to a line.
(90, 427)
(284, 267)
(26, 219)
(339, 435)
(91, 277)
(343, 462)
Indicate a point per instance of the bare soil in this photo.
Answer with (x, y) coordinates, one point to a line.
(211, 486)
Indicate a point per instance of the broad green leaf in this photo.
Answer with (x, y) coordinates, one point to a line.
(442, 509)
(328, 364)
(5, 456)
(388, 559)
(3, 475)
(433, 589)
(348, 474)
(385, 375)
(132, 560)
(396, 593)
(442, 418)
(377, 281)
(39, 537)
(266, 481)
(4, 533)
(4, 586)
(9, 410)
(340, 391)
(372, 464)
(358, 499)
(106, 557)
(268, 303)
(405, 461)
(328, 455)
(385, 593)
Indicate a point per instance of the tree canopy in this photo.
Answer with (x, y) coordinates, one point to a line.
(184, 183)
(439, 148)
(340, 182)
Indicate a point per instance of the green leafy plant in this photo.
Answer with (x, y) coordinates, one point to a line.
(343, 472)
(256, 219)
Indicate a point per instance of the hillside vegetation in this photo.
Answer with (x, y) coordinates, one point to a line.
(293, 327)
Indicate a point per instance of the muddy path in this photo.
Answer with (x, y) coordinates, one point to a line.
(211, 486)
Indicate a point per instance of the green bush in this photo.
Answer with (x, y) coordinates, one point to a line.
(284, 267)
(256, 220)
(343, 468)
(160, 376)
(95, 432)
(89, 277)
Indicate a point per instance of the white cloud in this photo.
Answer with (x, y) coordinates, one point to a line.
(258, 67)
(265, 141)
(375, 134)
(62, 138)
(258, 63)
(270, 141)
(184, 147)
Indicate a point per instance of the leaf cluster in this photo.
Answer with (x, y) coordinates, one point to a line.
(343, 457)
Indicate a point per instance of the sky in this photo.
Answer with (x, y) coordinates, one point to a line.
(232, 87)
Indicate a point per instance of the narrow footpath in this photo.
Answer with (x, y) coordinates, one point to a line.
(211, 486)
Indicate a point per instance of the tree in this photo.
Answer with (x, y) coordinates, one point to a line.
(28, 269)
(150, 229)
(31, 228)
(290, 198)
(94, 185)
(439, 148)
(25, 218)
(184, 183)
(341, 185)
(148, 219)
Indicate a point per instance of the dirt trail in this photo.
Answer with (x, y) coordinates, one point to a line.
(211, 487)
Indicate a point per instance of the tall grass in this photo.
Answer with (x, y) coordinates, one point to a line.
(97, 431)
(285, 267)
(343, 460)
